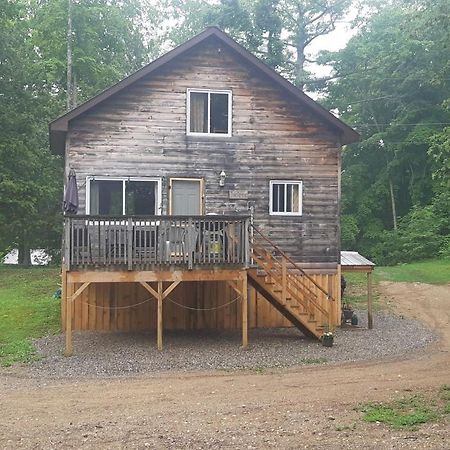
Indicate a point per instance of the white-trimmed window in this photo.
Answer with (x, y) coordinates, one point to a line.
(116, 196)
(285, 198)
(208, 112)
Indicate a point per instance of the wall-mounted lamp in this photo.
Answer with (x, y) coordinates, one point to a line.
(222, 177)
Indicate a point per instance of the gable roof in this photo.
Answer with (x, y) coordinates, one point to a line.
(59, 127)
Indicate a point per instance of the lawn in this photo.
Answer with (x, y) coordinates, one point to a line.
(28, 310)
(409, 412)
(435, 271)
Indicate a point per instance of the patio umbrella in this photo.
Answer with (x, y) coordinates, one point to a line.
(71, 194)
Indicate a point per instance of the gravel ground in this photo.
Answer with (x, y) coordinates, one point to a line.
(101, 354)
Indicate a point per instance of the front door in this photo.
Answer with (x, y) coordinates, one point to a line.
(185, 197)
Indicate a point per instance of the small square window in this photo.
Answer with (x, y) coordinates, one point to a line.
(209, 112)
(285, 198)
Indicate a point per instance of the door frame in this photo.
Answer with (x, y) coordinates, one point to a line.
(199, 180)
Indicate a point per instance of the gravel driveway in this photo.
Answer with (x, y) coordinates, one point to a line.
(101, 354)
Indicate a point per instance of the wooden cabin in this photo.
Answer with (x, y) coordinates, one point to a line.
(209, 191)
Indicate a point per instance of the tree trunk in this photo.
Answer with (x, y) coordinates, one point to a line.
(300, 60)
(300, 67)
(394, 212)
(69, 56)
(24, 256)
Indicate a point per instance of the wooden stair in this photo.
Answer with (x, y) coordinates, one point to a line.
(288, 288)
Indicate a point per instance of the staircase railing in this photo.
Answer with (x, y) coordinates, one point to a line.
(291, 279)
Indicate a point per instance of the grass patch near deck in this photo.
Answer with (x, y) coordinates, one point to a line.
(27, 310)
(432, 271)
(356, 291)
(409, 412)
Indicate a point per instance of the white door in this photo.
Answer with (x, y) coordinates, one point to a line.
(185, 197)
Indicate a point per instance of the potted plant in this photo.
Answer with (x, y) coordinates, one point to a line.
(347, 313)
(327, 339)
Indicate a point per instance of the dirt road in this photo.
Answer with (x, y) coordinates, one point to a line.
(310, 407)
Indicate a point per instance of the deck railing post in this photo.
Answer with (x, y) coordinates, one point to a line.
(247, 242)
(190, 244)
(130, 243)
(67, 243)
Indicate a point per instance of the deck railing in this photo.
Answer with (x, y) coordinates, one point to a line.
(150, 242)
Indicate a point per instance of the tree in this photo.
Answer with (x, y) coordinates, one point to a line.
(392, 83)
(27, 170)
(303, 22)
(107, 45)
(277, 31)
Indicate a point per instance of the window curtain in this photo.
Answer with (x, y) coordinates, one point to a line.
(296, 198)
(198, 112)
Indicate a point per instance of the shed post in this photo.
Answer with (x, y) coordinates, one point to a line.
(369, 301)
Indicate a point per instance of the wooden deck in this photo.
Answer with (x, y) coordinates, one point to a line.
(155, 243)
(158, 253)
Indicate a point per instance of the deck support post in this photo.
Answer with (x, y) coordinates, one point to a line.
(68, 311)
(69, 305)
(159, 325)
(244, 296)
(369, 301)
(160, 295)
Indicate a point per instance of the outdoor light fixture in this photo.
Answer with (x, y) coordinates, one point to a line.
(222, 177)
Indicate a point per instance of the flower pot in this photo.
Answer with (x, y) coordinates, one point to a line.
(327, 341)
(348, 314)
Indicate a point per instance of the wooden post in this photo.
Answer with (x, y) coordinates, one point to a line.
(68, 304)
(369, 301)
(129, 243)
(67, 244)
(160, 316)
(244, 296)
(330, 303)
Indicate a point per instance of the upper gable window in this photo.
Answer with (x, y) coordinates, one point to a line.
(208, 112)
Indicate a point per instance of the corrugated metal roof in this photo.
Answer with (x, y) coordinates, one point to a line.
(354, 259)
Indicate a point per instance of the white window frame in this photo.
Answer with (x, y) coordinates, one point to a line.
(209, 92)
(90, 178)
(300, 197)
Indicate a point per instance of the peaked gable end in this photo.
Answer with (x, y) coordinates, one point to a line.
(59, 127)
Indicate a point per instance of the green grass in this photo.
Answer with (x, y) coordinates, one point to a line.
(433, 271)
(356, 291)
(409, 412)
(27, 310)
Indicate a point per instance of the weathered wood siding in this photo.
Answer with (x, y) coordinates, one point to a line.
(107, 306)
(142, 132)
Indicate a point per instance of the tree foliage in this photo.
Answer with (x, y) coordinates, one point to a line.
(392, 83)
(108, 46)
(277, 31)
